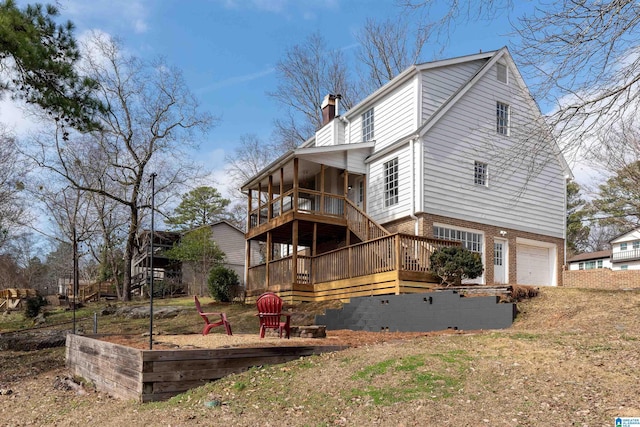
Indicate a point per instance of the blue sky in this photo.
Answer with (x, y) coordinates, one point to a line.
(227, 49)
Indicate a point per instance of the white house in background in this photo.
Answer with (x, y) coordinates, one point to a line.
(590, 261)
(455, 150)
(625, 251)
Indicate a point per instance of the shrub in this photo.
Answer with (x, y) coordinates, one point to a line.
(33, 305)
(223, 283)
(452, 264)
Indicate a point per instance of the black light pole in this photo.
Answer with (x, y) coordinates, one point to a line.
(153, 197)
(76, 276)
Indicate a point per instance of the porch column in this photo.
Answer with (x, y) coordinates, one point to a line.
(281, 191)
(364, 192)
(270, 198)
(295, 184)
(259, 203)
(249, 203)
(294, 255)
(322, 168)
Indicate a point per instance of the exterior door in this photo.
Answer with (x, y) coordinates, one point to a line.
(500, 261)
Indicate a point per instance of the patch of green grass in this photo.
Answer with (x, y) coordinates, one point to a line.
(526, 336)
(410, 363)
(629, 338)
(368, 372)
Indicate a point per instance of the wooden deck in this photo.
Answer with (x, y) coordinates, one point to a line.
(391, 264)
(152, 375)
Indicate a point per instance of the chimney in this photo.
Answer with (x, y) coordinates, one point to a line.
(328, 109)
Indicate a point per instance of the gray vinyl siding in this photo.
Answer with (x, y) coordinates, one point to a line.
(515, 197)
(230, 241)
(440, 83)
(394, 116)
(375, 187)
(333, 133)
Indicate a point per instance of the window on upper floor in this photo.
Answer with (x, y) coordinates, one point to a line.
(502, 118)
(481, 173)
(391, 182)
(636, 245)
(503, 75)
(469, 239)
(623, 246)
(367, 125)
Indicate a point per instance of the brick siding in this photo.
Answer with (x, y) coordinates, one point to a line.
(425, 228)
(602, 278)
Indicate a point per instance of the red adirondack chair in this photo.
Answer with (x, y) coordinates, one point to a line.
(270, 314)
(208, 325)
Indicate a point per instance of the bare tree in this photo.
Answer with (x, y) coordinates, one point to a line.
(386, 49)
(582, 56)
(307, 73)
(13, 213)
(150, 115)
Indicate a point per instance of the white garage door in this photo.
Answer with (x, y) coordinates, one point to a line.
(533, 265)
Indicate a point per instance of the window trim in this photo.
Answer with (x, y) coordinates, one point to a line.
(471, 244)
(481, 173)
(623, 246)
(503, 118)
(391, 182)
(368, 128)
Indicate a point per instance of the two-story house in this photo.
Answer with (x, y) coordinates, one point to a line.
(625, 251)
(450, 152)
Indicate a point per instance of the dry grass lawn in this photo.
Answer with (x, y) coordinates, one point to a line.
(571, 358)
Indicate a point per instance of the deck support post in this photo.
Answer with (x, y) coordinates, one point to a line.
(294, 255)
(269, 253)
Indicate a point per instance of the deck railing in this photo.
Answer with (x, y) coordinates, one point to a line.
(387, 253)
(361, 224)
(627, 255)
(308, 201)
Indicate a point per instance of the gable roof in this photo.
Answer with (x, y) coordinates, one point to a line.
(590, 256)
(621, 235)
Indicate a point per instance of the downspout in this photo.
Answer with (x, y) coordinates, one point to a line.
(345, 120)
(412, 214)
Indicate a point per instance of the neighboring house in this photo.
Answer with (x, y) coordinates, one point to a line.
(229, 239)
(625, 251)
(449, 152)
(590, 261)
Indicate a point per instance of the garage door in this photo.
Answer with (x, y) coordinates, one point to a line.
(533, 265)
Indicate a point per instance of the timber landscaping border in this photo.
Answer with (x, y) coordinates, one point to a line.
(152, 375)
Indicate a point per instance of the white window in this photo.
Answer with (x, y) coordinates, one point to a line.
(636, 245)
(480, 174)
(623, 246)
(497, 254)
(502, 118)
(600, 264)
(367, 125)
(502, 73)
(581, 266)
(391, 182)
(470, 240)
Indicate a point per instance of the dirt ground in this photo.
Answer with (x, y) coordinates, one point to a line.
(571, 358)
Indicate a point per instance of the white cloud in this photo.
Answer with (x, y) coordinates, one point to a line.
(116, 15)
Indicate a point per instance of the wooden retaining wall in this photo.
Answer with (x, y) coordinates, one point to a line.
(151, 375)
